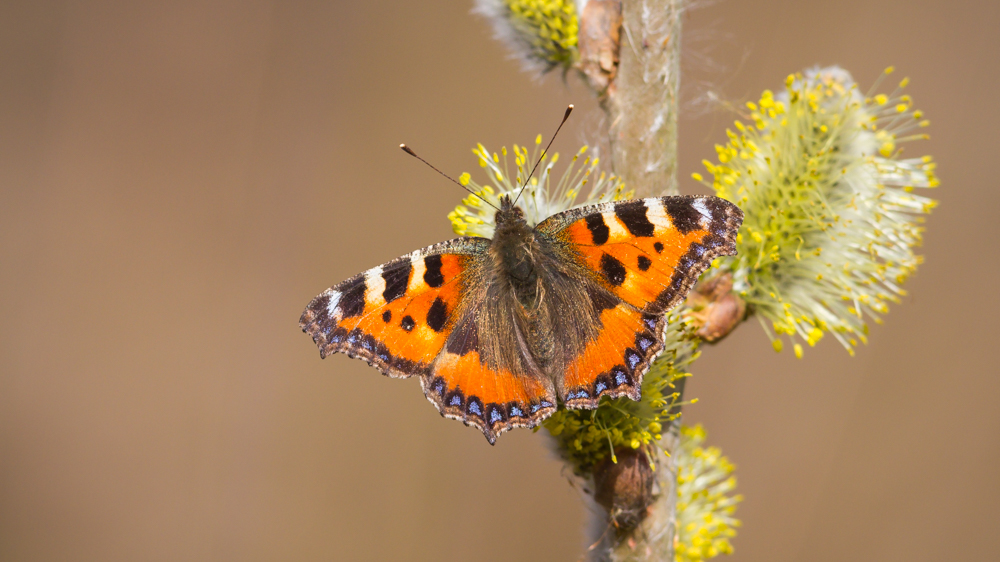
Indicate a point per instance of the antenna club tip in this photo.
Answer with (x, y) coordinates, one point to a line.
(407, 150)
(568, 111)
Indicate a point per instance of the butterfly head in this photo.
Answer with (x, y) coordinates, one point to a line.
(509, 213)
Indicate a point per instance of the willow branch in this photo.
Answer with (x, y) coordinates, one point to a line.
(641, 102)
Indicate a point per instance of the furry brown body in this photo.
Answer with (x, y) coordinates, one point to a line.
(537, 314)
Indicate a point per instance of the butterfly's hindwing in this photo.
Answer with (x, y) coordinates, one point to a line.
(465, 387)
(485, 376)
(614, 363)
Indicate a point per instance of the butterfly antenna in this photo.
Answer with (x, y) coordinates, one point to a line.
(409, 151)
(544, 152)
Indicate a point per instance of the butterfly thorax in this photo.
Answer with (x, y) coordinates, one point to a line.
(514, 250)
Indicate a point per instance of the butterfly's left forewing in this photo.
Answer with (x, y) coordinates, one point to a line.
(399, 315)
(643, 256)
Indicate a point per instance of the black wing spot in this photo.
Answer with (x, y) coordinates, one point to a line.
(613, 270)
(598, 230)
(437, 316)
(407, 323)
(432, 271)
(396, 280)
(633, 216)
(352, 302)
(644, 263)
(658, 247)
(387, 316)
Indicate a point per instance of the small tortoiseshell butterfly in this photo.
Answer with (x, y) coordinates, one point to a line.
(501, 331)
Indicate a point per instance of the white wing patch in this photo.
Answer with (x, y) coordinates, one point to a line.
(374, 286)
(417, 277)
(617, 232)
(656, 213)
(706, 213)
(331, 306)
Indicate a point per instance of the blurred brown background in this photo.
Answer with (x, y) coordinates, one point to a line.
(178, 179)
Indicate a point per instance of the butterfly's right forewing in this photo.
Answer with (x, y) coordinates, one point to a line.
(644, 256)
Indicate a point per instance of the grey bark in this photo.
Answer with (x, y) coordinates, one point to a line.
(642, 101)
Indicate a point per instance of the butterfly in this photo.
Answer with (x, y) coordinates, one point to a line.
(502, 331)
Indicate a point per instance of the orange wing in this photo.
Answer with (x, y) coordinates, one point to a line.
(397, 316)
(644, 256)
